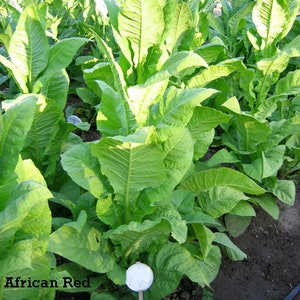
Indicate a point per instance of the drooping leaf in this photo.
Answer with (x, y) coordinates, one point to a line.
(205, 238)
(236, 225)
(213, 72)
(173, 261)
(268, 204)
(136, 238)
(205, 180)
(233, 252)
(86, 247)
(130, 164)
(17, 121)
(219, 200)
(62, 53)
(84, 168)
(177, 106)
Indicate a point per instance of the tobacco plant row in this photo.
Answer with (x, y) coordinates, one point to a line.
(199, 118)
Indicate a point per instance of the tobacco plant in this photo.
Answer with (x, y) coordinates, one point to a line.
(199, 122)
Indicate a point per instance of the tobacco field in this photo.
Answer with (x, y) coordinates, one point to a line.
(141, 131)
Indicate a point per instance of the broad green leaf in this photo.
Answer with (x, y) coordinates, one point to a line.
(288, 85)
(136, 238)
(246, 134)
(109, 212)
(143, 96)
(28, 47)
(202, 143)
(243, 209)
(269, 205)
(173, 261)
(265, 16)
(213, 72)
(55, 87)
(62, 53)
(43, 142)
(236, 224)
(178, 225)
(130, 164)
(178, 150)
(15, 72)
(267, 164)
(197, 216)
(26, 217)
(17, 121)
(84, 168)
(219, 200)
(183, 63)
(39, 268)
(205, 238)
(102, 72)
(211, 51)
(179, 20)
(87, 248)
(233, 252)
(120, 84)
(285, 191)
(222, 156)
(178, 102)
(111, 118)
(142, 23)
(205, 119)
(205, 180)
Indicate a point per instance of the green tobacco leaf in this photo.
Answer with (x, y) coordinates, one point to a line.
(205, 238)
(111, 120)
(17, 121)
(178, 102)
(205, 180)
(28, 47)
(14, 71)
(269, 205)
(266, 14)
(213, 72)
(285, 191)
(178, 22)
(55, 87)
(246, 134)
(206, 118)
(62, 53)
(233, 252)
(171, 263)
(243, 209)
(289, 85)
(86, 247)
(84, 168)
(267, 164)
(237, 225)
(178, 150)
(130, 164)
(142, 23)
(25, 226)
(120, 85)
(43, 142)
(136, 238)
(143, 96)
(183, 63)
(219, 200)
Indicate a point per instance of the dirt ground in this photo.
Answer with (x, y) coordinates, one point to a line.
(272, 268)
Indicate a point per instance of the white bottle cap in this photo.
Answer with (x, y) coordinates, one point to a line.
(139, 277)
